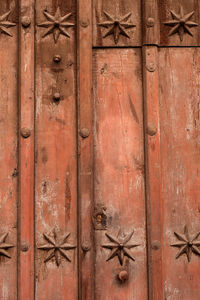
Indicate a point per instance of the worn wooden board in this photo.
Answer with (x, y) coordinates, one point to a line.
(117, 10)
(56, 184)
(119, 171)
(180, 181)
(26, 115)
(8, 152)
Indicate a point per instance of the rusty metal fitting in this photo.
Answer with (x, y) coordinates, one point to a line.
(25, 246)
(57, 58)
(26, 21)
(123, 276)
(25, 132)
(151, 67)
(84, 24)
(86, 247)
(56, 97)
(150, 22)
(84, 132)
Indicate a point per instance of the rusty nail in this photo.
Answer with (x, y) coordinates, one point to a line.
(151, 130)
(56, 97)
(99, 218)
(26, 21)
(57, 58)
(150, 22)
(86, 247)
(25, 132)
(25, 246)
(155, 245)
(84, 24)
(84, 132)
(123, 276)
(151, 67)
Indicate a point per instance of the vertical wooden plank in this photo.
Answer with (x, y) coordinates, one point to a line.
(153, 173)
(56, 184)
(119, 175)
(151, 30)
(26, 267)
(179, 128)
(8, 151)
(85, 149)
(117, 23)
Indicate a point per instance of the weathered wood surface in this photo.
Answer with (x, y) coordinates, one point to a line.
(119, 171)
(117, 10)
(180, 183)
(8, 152)
(26, 114)
(85, 150)
(56, 184)
(153, 172)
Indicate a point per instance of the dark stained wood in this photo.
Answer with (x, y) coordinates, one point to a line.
(153, 173)
(119, 171)
(85, 150)
(8, 152)
(26, 291)
(56, 176)
(117, 9)
(179, 136)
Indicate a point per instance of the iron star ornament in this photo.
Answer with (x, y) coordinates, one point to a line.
(117, 25)
(120, 247)
(4, 246)
(181, 23)
(187, 244)
(4, 23)
(55, 248)
(56, 24)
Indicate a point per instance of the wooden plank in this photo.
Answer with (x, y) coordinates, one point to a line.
(119, 172)
(26, 267)
(8, 151)
(85, 150)
(153, 173)
(151, 30)
(128, 35)
(56, 184)
(180, 37)
(179, 128)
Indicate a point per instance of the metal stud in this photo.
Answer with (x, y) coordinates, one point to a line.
(57, 58)
(25, 132)
(123, 276)
(84, 132)
(26, 21)
(56, 97)
(150, 22)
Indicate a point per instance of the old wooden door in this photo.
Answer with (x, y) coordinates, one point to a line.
(99, 149)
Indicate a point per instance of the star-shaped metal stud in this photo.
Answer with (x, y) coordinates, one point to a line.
(187, 244)
(4, 23)
(117, 26)
(56, 248)
(120, 247)
(181, 23)
(56, 24)
(4, 246)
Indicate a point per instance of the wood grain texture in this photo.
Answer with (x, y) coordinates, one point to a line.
(180, 183)
(150, 23)
(153, 170)
(117, 9)
(85, 151)
(119, 170)
(56, 184)
(26, 267)
(8, 151)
